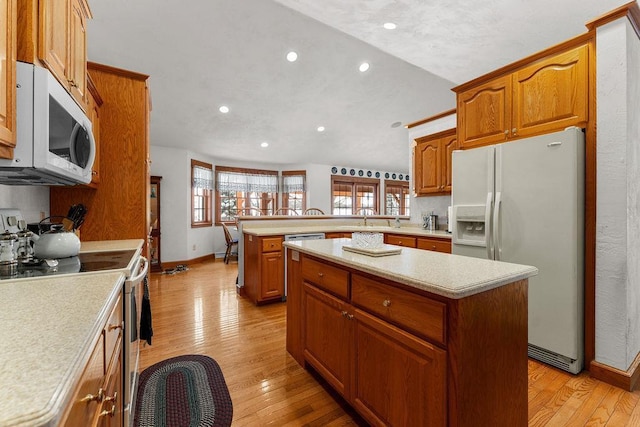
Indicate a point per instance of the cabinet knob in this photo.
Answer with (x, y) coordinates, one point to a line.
(386, 302)
(320, 274)
(72, 83)
(433, 247)
(91, 397)
(350, 316)
(513, 131)
(344, 313)
(506, 131)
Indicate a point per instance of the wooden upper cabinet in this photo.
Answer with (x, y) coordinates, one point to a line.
(546, 94)
(94, 101)
(8, 15)
(432, 162)
(551, 94)
(449, 144)
(53, 43)
(428, 166)
(484, 113)
(61, 41)
(77, 76)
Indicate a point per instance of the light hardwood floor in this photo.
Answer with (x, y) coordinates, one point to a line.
(199, 312)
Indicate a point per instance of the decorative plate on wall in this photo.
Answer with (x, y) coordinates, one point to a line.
(393, 176)
(352, 172)
(334, 170)
(377, 174)
(369, 174)
(406, 178)
(343, 171)
(360, 172)
(400, 177)
(386, 175)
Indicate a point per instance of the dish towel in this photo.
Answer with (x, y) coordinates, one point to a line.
(146, 330)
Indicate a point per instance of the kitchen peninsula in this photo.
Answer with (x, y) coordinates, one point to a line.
(261, 254)
(417, 338)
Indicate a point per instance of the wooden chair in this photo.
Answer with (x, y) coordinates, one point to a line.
(249, 212)
(285, 211)
(313, 211)
(231, 242)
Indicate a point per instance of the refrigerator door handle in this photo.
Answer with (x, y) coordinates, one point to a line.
(487, 226)
(496, 227)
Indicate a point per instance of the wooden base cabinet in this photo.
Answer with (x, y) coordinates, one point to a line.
(400, 380)
(328, 337)
(404, 357)
(263, 268)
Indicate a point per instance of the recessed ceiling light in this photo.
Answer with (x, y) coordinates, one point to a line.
(395, 124)
(364, 67)
(320, 128)
(389, 25)
(264, 144)
(292, 56)
(224, 109)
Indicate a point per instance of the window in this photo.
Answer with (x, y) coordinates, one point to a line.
(354, 196)
(294, 191)
(245, 192)
(396, 195)
(201, 187)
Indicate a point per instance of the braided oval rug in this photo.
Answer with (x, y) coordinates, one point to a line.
(184, 391)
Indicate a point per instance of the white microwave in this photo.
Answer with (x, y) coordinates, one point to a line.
(54, 137)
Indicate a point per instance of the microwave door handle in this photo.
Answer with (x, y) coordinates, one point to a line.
(143, 273)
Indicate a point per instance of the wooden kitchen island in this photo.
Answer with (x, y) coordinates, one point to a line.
(420, 338)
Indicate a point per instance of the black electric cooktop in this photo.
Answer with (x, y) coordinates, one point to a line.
(83, 263)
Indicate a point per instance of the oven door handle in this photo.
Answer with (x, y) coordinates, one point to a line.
(143, 273)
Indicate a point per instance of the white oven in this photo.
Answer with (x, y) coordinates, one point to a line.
(133, 291)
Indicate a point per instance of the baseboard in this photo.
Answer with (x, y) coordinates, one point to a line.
(626, 380)
(167, 265)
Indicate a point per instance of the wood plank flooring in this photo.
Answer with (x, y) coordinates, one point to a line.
(199, 312)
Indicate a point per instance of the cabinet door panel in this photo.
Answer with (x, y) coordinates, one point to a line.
(552, 94)
(327, 337)
(400, 380)
(272, 279)
(484, 113)
(448, 145)
(8, 75)
(428, 167)
(53, 43)
(78, 60)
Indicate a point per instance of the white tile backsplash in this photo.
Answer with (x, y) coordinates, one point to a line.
(31, 200)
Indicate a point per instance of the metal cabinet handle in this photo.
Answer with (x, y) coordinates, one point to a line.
(386, 302)
(113, 398)
(350, 316)
(111, 412)
(94, 397)
(344, 313)
(112, 327)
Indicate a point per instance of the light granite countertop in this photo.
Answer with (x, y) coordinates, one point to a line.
(48, 328)
(276, 230)
(111, 245)
(452, 276)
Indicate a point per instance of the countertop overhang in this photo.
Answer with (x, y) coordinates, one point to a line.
(451, 276)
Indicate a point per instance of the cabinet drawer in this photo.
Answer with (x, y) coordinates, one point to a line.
(419, 314)
(112, 332)
(272, 244)
(435, 245)
(395, 239)
(330, 278)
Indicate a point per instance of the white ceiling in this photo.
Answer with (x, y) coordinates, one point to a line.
(202, 54)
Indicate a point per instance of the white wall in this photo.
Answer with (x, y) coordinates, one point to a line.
(31, 200)
(618, 198)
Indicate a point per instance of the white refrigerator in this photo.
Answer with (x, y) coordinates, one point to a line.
(523, 202)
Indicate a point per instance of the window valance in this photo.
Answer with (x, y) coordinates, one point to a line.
(293, 183)
(202, 178)
(247, 182)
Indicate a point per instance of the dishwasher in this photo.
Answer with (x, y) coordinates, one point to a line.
(293, 238)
